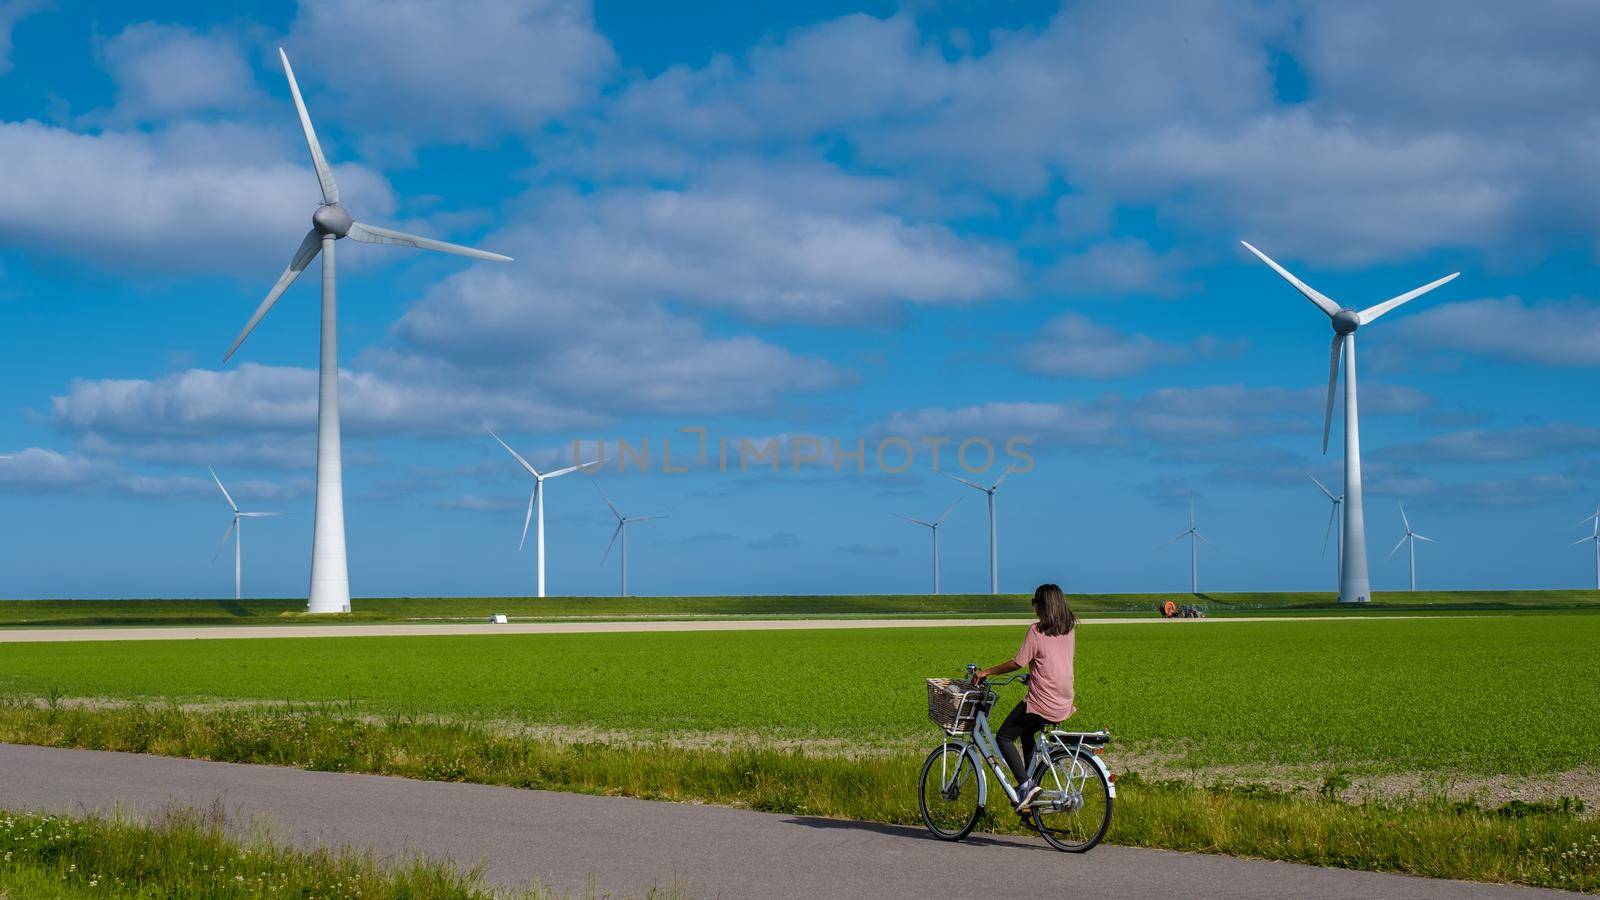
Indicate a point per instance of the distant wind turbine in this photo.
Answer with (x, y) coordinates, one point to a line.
(236, 531)
(1332, 516)
(1195, 537)
(1595, 539)
(536, 505)
(1413, 537)
(994, 547)
(1354, 586)
(622, 529)
(330, 575)
(934, 527)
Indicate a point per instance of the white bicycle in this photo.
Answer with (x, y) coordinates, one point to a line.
(1073, 808)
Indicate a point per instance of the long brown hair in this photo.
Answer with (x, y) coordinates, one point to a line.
(1055, 616)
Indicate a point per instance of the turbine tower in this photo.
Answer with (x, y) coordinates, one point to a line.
(934, 527)
(994, 548)
(1338, 501)
(622, 528)
(236, 531)
(1413, 537)
(1354, 586)
(1595, 539)
(1195, 537)
(536, 505)
(330, 577)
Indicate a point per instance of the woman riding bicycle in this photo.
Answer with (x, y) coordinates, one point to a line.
(1046, 653)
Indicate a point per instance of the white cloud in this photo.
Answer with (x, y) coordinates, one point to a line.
(450, 72)
(1073, 344)
(38, 468)
(189, 198)
(1555, 332)
(12, 12)
(1502, 445)
(169, 71)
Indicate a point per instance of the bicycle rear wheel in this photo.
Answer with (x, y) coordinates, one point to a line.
(947, 792)
(1073, 809)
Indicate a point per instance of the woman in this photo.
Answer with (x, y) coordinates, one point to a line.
(1046, 653)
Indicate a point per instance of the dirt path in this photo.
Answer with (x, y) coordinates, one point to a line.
(233, 632)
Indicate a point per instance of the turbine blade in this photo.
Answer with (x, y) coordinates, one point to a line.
(1173, 541)
(1319, 484)
(613, 542)
(570, 469)
(1398, 545)
(1206, 542)
(258, 515)
(1404, 519)
(974, 486)
(532, 498)
(632, 519)
(609, 504)
(1584, 540)
(225, 535)
(947, 512)
(525, 464)
(231, 505)
(330, 191)
(1424, 538)
(1589, 519)
(1332, 514)
(372, 234)
(996, 485)
(915, 521)
(1333, 386)
(309, 248)
(1371, 313)
(1315, 296)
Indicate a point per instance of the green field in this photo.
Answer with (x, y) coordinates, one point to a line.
(1476, 695)
(276, 612)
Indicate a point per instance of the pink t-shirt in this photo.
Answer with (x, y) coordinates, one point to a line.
(1049, 663)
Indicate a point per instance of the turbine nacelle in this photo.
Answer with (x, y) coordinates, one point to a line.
(331, 218)
(1346, 321)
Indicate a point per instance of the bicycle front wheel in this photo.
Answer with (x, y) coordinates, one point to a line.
(1073, 809)
(948, 792)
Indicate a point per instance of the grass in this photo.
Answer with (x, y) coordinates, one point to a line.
(37, 613)
(186, 853)
(1547, 846)
(1458, 696)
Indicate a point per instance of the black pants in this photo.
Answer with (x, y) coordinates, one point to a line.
(1023, 725)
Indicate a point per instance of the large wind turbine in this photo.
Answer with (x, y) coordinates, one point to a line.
(536, 504)
(622, 528)
(330, 577)
(1413, 537)
(994, 548)
(1195, 537)
(934, 527)
(236, 531)
(1354, 586)
(1338, 501)
(1595, 538)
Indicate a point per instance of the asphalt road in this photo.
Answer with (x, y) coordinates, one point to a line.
(629, 845)
(400, 629)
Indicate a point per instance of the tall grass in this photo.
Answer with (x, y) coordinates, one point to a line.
(1554, 847)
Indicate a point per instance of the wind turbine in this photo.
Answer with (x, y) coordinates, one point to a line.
(1195, 537)
(236, 532)
(994, 549)
(1595, 538)
(330, 577)
(622, 528)
(536, 503)
(934, 527)
(1337, 502)
(1354, 587)
(1413, 537)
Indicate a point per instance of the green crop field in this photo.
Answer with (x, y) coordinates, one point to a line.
(275, 612)
(1465, 694)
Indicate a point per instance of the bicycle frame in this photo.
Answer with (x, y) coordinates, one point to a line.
(981, 746)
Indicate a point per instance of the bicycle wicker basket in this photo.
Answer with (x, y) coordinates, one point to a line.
(954, 704)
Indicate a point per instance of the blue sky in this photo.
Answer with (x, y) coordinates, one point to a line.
(825, 221)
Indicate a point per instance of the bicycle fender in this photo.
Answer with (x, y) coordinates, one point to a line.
(1111, 786)
(978, 763)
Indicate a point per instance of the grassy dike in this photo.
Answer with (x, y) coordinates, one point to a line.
(1532, 845)
(192, 854)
